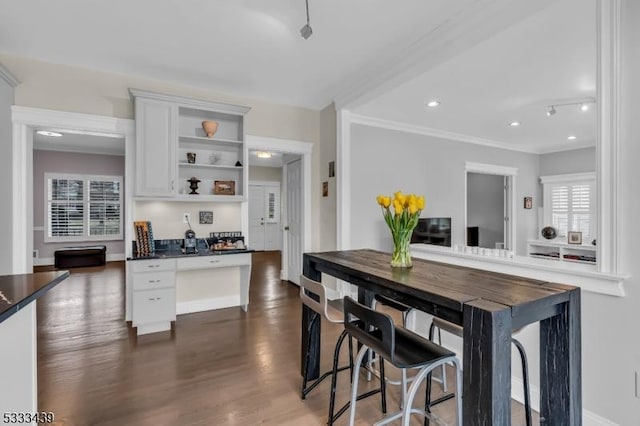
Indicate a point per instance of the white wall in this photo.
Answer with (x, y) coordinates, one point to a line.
(68, 162)
(485, 207)
(385, 161)
(266, 174)
(6, 100)
(573, 161)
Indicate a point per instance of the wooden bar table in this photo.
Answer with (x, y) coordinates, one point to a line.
(489, 306)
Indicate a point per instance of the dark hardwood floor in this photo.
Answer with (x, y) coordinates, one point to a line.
(223, 367)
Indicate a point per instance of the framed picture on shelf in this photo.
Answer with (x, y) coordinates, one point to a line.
(574, 237)
(224, 187)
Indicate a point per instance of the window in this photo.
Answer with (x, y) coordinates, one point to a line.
(569, 203)
(83, 208)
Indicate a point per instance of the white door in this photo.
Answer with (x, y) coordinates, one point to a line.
(256, 217)
(293, 228)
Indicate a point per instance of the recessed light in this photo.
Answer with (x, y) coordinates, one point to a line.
(514, 124)
(263, 154)
(572, 137)
(584, 107)
(433, 104)
(48, 133)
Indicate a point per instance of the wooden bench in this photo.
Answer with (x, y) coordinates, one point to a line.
(74, 257)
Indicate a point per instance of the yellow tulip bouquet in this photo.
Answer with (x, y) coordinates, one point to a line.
(401, 212)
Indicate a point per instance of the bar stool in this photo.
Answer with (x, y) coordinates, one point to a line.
(405, 311)
(332, 311)
(457, 330)
(403, 349)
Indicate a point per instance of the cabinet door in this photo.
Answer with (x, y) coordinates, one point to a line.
(156, 145)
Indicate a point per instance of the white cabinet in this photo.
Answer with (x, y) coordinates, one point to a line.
(172, 148)
(561, 251)
(154, 294)
(155, 147)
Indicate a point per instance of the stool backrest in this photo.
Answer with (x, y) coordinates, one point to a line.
(317, 289)
(371, 328)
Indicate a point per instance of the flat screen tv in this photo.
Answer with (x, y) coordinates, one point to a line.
(433, 230)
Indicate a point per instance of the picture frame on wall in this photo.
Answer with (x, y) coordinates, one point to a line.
(224, 187)
(325, 189)
(332, 168)
(574, 237)
(528, 202)
(206, 217)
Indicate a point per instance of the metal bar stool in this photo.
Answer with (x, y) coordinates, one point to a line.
(332, 311)
(403, 349)
(457, 330)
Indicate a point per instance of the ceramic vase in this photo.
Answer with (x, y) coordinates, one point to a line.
(210, 127)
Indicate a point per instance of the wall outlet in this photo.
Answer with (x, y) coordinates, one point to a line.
(186, 217)
(35, 254)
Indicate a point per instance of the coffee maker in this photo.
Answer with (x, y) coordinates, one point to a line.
(190, 242)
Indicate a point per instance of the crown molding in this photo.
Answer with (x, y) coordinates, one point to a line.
(403, 62)
(190, 102)
(7, 76)
(550, 149)
(428, 131)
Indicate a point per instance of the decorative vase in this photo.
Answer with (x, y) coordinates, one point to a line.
(210, 127)
(191, 157)
(401, 257)
(194, 181)
(549, 232)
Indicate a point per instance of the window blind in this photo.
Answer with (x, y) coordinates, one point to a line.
(83, 207)
(571, 206)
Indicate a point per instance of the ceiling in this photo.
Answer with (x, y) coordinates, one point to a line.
(548, 58)
(489, 61)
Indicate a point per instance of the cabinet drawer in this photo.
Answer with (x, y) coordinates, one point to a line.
(154, 306)
(152, 280)
(221, 261)
(153, 265)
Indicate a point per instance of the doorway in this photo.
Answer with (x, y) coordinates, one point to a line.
(25, 122)
(295, 199)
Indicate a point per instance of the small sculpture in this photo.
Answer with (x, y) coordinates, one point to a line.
(210, 127)
(194, 181)
(549, 232)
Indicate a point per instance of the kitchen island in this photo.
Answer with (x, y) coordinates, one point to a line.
(18, 348)
(172, 283)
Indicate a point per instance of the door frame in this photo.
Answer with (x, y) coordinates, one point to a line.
(25, 120)
(492, 169)
(287, 146)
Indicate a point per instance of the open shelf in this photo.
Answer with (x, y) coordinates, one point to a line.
(205, 140)
(210, 166)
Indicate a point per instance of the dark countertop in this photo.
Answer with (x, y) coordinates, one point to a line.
(168, 249)
(17, 291)
(172, 254)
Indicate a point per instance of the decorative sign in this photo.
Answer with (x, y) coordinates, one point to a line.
(232, 234)
(206, 218)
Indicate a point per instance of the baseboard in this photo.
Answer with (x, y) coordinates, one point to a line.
(588, 418)
(46, 261)
(192, 306)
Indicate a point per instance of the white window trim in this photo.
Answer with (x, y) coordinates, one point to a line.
(570, 178)
(85, 178)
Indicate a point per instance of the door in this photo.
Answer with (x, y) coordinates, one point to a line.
(256, 218)
(293, 228)
(264, 216)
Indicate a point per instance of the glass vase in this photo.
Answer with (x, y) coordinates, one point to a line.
(401, 257)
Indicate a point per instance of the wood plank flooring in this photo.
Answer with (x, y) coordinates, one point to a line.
(223, 367)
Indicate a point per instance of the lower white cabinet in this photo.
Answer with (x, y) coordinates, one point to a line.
(152, 291)
(154, 294)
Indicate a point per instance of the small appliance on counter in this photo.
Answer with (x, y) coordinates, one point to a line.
(190, 242)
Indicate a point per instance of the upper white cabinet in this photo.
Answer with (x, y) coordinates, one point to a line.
(173, 148)
(156, 134)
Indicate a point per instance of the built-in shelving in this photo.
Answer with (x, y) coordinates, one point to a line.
(562, 251)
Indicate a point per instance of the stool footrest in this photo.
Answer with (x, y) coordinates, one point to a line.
(312, 386)
(345, 407)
